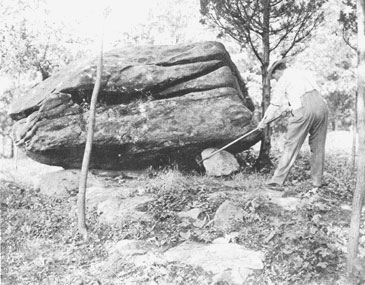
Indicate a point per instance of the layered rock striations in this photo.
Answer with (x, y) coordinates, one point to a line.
(157, 104)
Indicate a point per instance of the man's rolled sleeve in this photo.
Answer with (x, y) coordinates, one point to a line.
(278, 94)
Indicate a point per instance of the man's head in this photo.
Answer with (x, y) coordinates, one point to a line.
(277, 69)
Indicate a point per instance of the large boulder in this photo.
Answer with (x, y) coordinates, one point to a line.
(157, 104)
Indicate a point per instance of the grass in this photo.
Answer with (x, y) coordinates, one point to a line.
(40, 243)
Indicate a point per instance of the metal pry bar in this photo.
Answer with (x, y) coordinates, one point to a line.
(236, 140)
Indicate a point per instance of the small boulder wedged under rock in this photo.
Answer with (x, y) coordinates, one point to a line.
(222, 163)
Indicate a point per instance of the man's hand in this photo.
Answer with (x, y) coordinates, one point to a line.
(261, 125)
(287, 113)
(269, 115)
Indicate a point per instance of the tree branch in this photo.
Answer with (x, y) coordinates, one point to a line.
(274, 3)
(254, 49)
(300, 25)
(300, 39)
(252, 19)
(347, 40)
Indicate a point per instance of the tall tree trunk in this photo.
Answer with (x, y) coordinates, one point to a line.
(358, 199)
(16, 152)
(88, 146)
(45, 74)
(264, 156)
(11, 148)
(354, 134)
(2, 153)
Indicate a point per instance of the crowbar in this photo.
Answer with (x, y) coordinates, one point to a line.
(236, 140)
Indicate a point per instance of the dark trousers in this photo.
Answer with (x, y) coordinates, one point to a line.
(312, 119)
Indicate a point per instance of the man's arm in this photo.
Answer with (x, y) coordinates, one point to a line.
(271, 113)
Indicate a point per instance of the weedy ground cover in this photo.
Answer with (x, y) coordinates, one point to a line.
(40, 243)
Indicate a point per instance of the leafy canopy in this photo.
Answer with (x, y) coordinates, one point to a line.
(284, 22)
(33, 40)
(348, 20)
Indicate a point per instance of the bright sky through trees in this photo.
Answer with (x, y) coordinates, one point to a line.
(124, 16)
(87, 14)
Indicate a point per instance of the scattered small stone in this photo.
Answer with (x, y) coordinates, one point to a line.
(191, 214)
(130, 247)
(228, 238)
(348, 208)
(227, 216)
(138, 252)
(220, 240)
(287, 203)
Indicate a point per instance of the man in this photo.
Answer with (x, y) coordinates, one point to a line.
(297, 92)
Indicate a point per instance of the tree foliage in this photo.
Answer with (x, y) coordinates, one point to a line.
(335, 69)
(348, 20)
(290, 22)
(4, 118)
(33, 40)
(33, 44)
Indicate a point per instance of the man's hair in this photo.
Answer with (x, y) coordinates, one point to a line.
(278, 65)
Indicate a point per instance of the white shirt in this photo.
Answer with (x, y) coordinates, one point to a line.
(291, 85)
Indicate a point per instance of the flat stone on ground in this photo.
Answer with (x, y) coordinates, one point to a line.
(116, 210)
(62, 183)
(228, 262)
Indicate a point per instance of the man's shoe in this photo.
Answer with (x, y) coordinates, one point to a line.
(274, 186)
